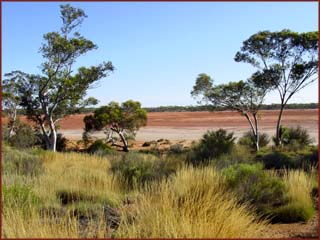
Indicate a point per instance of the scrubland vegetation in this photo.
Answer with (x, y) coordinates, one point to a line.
(229, 192)
(220, 187)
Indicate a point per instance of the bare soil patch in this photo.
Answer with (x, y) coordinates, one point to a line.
(191, 125)
(309, 230)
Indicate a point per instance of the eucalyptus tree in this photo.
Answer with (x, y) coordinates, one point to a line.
(242, 96)
(124, 119)
(286, 61)
(11, 98)
(60, 89)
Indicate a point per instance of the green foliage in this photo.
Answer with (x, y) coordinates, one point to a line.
(61, 144)
(125, 120)
(252, 184)
(287, 62)
(11, 98)
(176, 148)
(136, 169)
(294, 138)
(202, 108)
(239, 154)
(20, 162)
(24, 136)
(244, 97)
(129, 116)
(60, 89)
(282, 158)
(99, 147)
(212, 145)
(291, 213)
(19, 197)
(248, 139)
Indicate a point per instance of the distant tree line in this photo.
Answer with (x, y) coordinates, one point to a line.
(202, 108)
(213, 108)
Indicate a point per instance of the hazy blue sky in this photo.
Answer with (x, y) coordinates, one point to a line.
(158, 48)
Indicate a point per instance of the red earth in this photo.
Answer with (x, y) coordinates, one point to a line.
(191, 125)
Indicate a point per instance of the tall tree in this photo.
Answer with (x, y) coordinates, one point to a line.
(60, 90)
(123, 120)
(287, 62)
(244, 97)
(11, 98)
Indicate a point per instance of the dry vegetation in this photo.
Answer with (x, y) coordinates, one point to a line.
(80, 195)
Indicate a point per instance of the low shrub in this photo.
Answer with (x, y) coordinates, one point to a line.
(148, 144)
(24, 136)
(136, 169)
(252, 184)
(292, 213)
(212, 145)
(283, 158)
(248, 139)
(176, 148)
(294, 138)
(61, 144)
(20, 162)
(99, 147)
(239, 154)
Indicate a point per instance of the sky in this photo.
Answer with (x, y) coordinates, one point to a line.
(157, 48)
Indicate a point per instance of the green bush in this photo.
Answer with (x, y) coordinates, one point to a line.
(136, 169)
(291, 213)
(99, 147)
(176, 148)
(294, 138)
(283, 158)
(5, 133)
(248, 139)
(20, 162)
(239, 154)
(212, 145)
(252, 184)
(61, 143)
(24, 136)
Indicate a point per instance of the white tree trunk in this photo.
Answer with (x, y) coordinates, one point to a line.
(257, 137)
(53, 136)
(124, 141)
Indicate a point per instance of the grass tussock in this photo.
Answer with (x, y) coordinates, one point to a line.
(194, 204)
(83, 176)
(72, 195)
(32, 206)
(300, 205)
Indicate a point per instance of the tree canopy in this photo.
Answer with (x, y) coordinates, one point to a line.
(243, 96)
(60, 89)
(287, 62)
(11, 98)
(122, 119)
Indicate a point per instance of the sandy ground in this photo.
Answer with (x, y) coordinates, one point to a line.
(308, 230)
(192, 125)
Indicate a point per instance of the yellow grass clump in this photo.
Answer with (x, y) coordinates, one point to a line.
(80, 173)
(192, 204)
(299, 187)
(32, 210)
